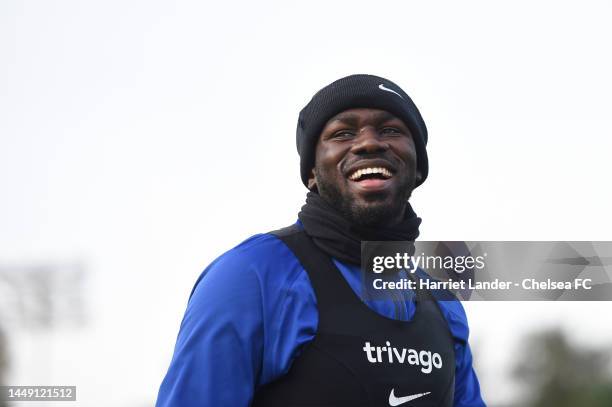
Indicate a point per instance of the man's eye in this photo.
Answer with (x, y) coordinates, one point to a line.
(390, 130)
(343, 134)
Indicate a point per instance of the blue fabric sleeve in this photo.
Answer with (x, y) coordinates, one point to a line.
(248, 317)
(219, 348)
(467, 388)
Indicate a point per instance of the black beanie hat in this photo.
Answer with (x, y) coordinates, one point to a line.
(357, 91)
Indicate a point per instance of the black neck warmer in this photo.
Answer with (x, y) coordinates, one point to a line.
(340, 239)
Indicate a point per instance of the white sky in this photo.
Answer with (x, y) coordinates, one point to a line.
(147, 137)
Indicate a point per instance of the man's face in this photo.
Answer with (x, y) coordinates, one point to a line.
(365, 166)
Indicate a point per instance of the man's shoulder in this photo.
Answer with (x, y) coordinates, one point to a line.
(259, 253)
(259, 249)
(261, 260)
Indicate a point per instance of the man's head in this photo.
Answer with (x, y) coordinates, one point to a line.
(362, 147)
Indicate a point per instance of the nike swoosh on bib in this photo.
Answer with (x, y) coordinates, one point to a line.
(383, 87)
(396, 401)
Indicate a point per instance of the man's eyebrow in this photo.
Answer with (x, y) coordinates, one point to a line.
(347, 118)
(352, 119)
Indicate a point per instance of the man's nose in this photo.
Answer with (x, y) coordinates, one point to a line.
(368, 141)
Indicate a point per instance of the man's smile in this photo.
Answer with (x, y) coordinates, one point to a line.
(371, 178)
(369, 173)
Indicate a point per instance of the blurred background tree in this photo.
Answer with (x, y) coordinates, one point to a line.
(39, 299)
(3, 361)
(557, 373)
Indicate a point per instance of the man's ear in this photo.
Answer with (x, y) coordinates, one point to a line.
(312, 181)
(419, 176)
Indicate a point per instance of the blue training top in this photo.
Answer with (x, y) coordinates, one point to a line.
(248, 316)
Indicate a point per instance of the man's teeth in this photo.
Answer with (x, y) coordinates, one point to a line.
(373, 170)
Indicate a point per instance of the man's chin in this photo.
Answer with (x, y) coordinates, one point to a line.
(373, 212)
(365, 208)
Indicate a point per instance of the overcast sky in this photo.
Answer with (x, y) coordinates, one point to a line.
(144, 138)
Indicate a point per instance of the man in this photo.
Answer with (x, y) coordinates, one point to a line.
(278, 320)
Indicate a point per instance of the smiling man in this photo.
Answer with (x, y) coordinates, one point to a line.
(279, 320)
